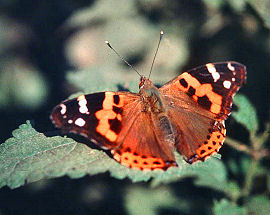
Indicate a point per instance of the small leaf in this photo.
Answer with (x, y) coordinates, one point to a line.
(224, 207)
(241, 165)
(30, 156)
(21, 85)
(246, 114)
(151, 200)
(258, 205)
(233, 190)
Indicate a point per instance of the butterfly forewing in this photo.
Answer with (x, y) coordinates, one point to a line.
(212, 86)
(97, 116)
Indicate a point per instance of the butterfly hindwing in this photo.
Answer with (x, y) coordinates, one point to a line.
(197, 136)
(149, 144)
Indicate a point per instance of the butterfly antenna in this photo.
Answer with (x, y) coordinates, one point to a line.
(108, 44)
(160, 38)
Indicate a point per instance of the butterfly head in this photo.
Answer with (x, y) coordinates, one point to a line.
(145, 83)
(150, 96)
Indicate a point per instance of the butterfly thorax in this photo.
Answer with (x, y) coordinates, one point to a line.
(150, 96)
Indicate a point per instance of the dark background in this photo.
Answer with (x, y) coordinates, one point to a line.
(34, 37)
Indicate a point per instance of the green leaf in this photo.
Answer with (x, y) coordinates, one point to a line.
(242, 166)
(233, 190)
(151, 200)
(30, 156)
(258, 205)
(246, 114)
(224, 207)
(21, 86)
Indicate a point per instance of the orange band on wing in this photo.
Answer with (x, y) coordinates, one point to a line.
(133, 160)
(108, 113)
(186, 82)
(212, 145)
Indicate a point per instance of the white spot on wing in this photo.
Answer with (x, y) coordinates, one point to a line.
(233, 79)
(70, 121)
(230, 66)
(227, 84)
(212, 70)
(82, 103)
(63, 109)
(80, 122)
(83, 109)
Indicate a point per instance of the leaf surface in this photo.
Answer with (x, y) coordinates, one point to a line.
(246, 114)
(30, 156)
(225, 207)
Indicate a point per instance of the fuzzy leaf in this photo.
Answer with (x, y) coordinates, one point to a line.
(233, 190)
(258, 205)
(246, 114)
(30, 156)
(224, 207)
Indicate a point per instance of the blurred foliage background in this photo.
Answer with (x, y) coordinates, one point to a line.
(51, 49)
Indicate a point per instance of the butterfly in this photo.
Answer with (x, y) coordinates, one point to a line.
(142, 130)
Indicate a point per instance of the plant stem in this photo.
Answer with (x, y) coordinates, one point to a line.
(255, 151)
(249, 177)
(238, 146)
